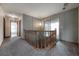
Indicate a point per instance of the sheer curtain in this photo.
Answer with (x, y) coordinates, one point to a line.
(52, 25)
(55, 26)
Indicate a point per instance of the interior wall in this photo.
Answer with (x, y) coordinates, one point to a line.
(30, 23)
(7, 26)
(27, 22)
(1, 25)
(36, 24)
(68, 25)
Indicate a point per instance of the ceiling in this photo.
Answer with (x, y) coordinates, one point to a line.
(38, 10)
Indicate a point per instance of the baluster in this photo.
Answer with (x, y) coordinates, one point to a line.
(45, 39)
(31, 40)
(41, 39)
(25, 34)
(50, 39)
(28, 37)
(34, 39)
(55, 36)
(37, 38)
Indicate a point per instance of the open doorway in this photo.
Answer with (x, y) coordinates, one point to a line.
(14, 28)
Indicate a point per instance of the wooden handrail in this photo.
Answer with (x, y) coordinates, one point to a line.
(38, 39)
(39, 31)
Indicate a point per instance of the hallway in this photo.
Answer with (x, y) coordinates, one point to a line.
(18, 47)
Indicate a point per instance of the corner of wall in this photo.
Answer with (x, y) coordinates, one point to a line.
(1, 25)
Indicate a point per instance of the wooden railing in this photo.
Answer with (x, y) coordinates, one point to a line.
(40, 39)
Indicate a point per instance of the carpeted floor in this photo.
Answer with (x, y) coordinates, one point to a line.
(18, 47)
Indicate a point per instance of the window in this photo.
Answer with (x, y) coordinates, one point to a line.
(52, 25)
(55, 26)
